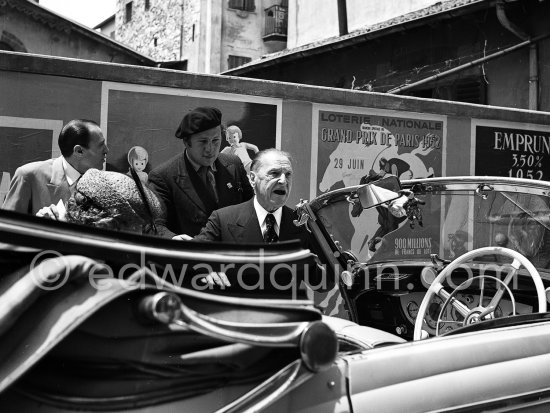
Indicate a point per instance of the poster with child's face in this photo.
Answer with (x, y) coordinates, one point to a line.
(147, 117)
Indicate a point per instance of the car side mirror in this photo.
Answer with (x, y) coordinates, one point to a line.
(379, 192)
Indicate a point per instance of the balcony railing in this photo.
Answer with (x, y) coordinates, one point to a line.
(275, 23)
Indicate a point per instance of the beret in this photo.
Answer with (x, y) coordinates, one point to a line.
(199, 120)
(113, 190)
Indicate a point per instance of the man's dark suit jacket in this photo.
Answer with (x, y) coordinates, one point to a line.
(186, 210)
(239, 224)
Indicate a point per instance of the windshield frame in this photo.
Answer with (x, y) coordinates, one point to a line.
(480, 186)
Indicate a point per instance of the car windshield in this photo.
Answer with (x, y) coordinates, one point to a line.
(450, 219)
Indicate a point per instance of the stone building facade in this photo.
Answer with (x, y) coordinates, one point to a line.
(153, 28)
(27, 27)
(207, 36)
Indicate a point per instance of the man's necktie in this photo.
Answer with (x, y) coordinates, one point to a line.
(270, 234)
(209, 181)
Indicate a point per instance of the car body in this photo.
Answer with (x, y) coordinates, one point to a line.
(443, 282)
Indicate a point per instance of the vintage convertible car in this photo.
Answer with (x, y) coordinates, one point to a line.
(440, 301)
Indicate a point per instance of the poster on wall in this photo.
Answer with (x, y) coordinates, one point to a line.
(515, 150)
(350, 146)
(21, 146)
(25, 140)
(142, 120)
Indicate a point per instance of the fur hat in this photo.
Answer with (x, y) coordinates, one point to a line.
(113, 190)
(199, 120)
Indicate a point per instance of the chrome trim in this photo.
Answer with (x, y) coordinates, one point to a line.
(161, 252)
(468, 183)
(251, 335)
(452, 183)
(354, 341)
(271, 390)
(265, 334)
(304, 213)
(158, 282)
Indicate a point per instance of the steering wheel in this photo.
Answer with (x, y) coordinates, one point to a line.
(477, 314)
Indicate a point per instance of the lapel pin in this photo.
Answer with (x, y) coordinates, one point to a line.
(229, 185)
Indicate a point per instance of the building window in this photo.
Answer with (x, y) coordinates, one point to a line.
(471, 90)
(275, 23)
(236, 61)
(246, 5)
(147, 4)
(128, 14)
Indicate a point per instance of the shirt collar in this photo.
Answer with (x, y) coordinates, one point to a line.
(261, 213)
(196, 166)
(71, 174)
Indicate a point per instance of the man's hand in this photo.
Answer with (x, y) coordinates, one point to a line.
(182, 237)
(49, 212)
(216, 278)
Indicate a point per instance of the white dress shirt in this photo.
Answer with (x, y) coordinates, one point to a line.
(261, 213)
(71, 174)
